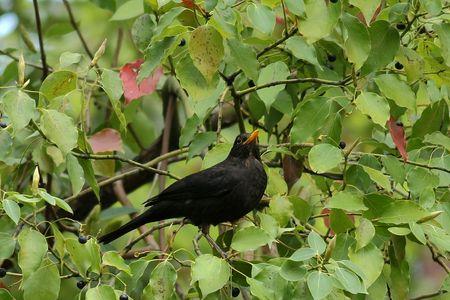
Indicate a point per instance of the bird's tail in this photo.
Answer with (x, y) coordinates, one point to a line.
(155, 213)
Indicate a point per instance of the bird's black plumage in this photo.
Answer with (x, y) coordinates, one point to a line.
(224, 192)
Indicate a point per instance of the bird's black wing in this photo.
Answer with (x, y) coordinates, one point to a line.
(209, 183)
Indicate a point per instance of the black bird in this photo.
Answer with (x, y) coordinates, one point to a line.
(224, 192)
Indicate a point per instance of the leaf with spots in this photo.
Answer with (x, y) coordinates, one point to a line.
(206, 50)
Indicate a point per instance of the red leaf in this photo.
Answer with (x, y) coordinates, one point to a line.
(105, 140)
(188, 3)
(398, 136)
(131, 89)
(376, 13)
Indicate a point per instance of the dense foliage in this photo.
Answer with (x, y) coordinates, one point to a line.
(351, 99)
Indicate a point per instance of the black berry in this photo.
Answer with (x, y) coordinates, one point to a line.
(331, 57)
(398, 123)
(2, 272)
(251, 83)
(235, 292)
(333, 1)
(82, 239)
(81, 284)
(182, 43)
(3, 125)
(401, 26)
(123, 297)
(342, 144)
(398, 65)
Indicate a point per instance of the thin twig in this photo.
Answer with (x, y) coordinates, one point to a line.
(115, 62)
(77, 29)
(289, 81)
(41, 39)
(428, 296)
(150, 231)
(26, 63)
(126, 160)
(438, 258)
(220, 113)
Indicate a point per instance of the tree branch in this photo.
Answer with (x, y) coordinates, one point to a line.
(77, 29)
(123, 159)
(289, 81)
(41, 39)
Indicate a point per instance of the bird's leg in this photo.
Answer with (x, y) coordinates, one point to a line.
(205, 232)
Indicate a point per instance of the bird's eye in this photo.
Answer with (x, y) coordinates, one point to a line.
(238, 140)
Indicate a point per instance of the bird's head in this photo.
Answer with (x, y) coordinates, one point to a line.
(246, 145)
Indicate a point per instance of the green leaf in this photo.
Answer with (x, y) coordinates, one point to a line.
(250, 238)
(76, 173)
(216, 155)
(59, 244)
(276, 184)
(303, 254)
(364, 233)
(320, 19)
(128, 10)
(384, 41)
(345, 200)
(310, 117)
(417, 231)
(206, 50)
(390, 211)
(419, 179)
(367, 8)
(19, 107)
(433, 118)
(357, 42)
(33, 247)
(397, 90)
(349, 281)
(319, 284)
(395, 168)
(47, 197)
(168, 19)
(43, 284)
(302, 50)
(12, 209)
(292, 270)
(244, 57)
(340, 222)
(112, 85)
(261, 17)
(57, 84)
(154, 55)
(378, 177)
(211, 273)
(200, 142)
(5, 294)
(113, 259)
(324, 157)
(59, 128)
(188, 130)
(297, 7)
(90, 176)
(101, 292)
(437, 138)
(162, 282)
(316, 242)
(361, 257)
(79, 255)
(142, 31)
(374, 106)
(443, 31)
(7, 245)
(399, 230)
(280, 207)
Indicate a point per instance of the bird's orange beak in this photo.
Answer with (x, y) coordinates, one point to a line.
(252, 137)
